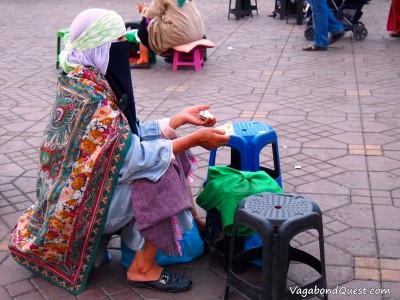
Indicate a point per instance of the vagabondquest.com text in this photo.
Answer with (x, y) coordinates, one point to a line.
(338, 290)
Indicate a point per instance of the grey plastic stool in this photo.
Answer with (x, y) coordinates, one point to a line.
(277, 219)
(242, 8)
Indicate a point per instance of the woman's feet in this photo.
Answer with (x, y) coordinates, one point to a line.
(166, 282)
(200, 223)
(313, 47)
(395, 34)
(137, 65)
(145, 273)
(143, 61)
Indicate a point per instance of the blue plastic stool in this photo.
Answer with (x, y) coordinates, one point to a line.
(247, 142)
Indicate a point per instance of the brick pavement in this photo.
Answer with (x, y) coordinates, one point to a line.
(336, 114)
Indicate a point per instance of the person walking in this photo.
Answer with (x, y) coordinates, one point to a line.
(324, 22)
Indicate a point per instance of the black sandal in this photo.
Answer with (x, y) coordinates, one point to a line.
(313, 47)
(135, 65)
(167, 283)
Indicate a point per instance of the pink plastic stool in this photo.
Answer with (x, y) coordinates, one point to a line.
(190, 54)
(193, 58)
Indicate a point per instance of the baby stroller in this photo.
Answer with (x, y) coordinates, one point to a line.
(349, 12)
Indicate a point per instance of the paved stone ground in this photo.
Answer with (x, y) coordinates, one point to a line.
(336, 114)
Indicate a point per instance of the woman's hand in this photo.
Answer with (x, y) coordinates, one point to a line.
(208, 138)
(190, 115)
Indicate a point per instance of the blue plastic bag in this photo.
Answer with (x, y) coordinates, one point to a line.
(253, 241)
(192, 247)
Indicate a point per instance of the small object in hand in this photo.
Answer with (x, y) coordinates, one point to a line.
(205, 114)
(228, 128)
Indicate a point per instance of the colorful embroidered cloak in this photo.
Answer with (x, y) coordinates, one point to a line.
(84, 146)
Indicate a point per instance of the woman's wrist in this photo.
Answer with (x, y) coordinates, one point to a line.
(175, 121)
(166, 130)
(184, 143)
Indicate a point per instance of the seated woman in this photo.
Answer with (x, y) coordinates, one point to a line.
(166, 24)
(100, 171)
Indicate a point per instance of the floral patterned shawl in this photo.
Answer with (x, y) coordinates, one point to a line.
(84, 146)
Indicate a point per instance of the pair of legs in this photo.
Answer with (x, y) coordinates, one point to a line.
(144, 267)
(325, 22)
(144, 45)
(145, 273)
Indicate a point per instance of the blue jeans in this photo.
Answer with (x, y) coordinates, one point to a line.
(324, 22)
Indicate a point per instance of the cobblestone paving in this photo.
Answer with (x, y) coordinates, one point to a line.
(337, 115)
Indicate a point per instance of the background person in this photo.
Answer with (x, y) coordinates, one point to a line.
(393, 23)
(324, 22)
(166, 24)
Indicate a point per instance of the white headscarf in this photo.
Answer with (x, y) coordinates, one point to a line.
(89, 39)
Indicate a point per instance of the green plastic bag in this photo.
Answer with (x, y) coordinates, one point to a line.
(226, 187)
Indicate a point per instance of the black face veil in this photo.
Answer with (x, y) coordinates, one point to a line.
(118, 76)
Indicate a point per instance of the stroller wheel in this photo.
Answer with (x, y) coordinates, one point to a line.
(309, 33)
(360, 32)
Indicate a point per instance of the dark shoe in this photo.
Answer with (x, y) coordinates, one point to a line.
(337, 36)
(141, 66)
(169, 52)
(168, 283)
(313, 47)
(169, 59)
(395, 34)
